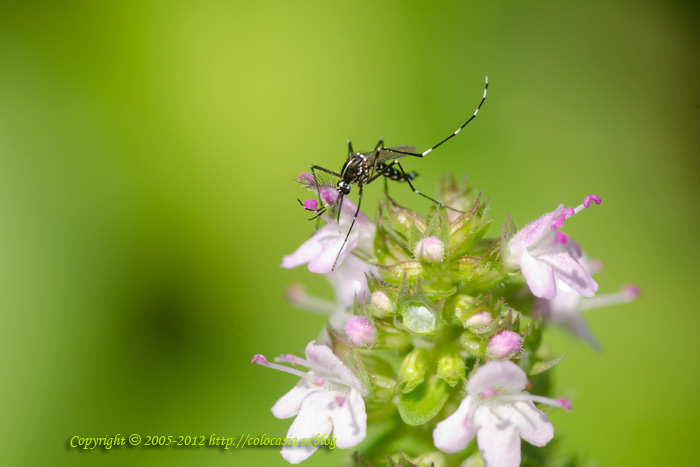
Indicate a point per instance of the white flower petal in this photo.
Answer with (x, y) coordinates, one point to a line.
(290, 404)
(529, 235)
(349, 280)
(323, 356)
(350, 421)
(498, 440)
(539, 276)
(533, 425)
(456, 431)
(504, 374)
(309, 249)
(572, 273)
(313, 419)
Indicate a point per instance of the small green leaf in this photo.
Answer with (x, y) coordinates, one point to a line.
(541, 367)
(424, 403)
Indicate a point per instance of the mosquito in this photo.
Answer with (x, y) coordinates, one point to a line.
(362, 168)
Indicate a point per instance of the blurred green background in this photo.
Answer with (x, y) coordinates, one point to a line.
(147, 158)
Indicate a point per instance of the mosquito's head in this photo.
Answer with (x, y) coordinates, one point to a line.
(343, 187)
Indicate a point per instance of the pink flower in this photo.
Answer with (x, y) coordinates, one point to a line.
(546, 255)
(498, 412)
(327, 398)
(321, 250)
(566, 307)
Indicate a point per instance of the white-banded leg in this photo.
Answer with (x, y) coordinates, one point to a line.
(354, 218)
(407, 179)
(455, 133)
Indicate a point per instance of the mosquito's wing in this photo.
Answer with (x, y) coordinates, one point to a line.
(394, 152)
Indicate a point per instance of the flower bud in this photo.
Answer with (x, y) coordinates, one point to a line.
(382, 303)
(451, 367)
(505, 344)
(360, 331)
(392, 338)
(430, 249)
(479, 321)
(462, 307)
(471, 344)
(413, 370)
(383, 388)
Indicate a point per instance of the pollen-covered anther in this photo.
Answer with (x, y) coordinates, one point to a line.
(259, 359)
(559, 222)
(430, 249)
(318, 381)
(631, 291)
(490, 392)
(289, 358)
(566, 403)
(591, 198)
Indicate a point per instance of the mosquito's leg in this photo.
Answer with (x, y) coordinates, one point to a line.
(407, 178)
(455, 133)
(350, 150)
(357, 211)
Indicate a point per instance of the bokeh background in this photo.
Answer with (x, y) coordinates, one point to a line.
(147, 157)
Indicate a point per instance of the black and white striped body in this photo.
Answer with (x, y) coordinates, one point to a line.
(395, 174)
(363, 168)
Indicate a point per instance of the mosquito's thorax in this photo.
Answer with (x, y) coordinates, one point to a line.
(358, 168)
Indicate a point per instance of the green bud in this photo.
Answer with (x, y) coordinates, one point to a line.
(479, 321)
(389, 337)
(382, 305)
(451, 367)
(413, 370)
(471, 344)
(383, 388)
(462, 306)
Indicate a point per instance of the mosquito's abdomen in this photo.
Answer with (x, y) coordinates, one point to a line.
(397, 175)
